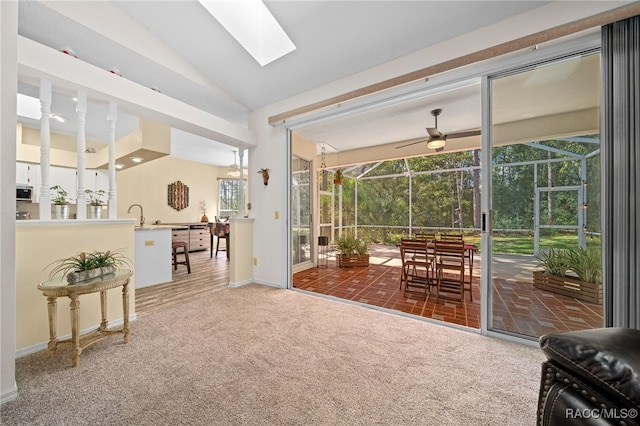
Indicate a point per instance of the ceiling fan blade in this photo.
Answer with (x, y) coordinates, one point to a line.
(463, 134)
(412, 143)
(433, 132)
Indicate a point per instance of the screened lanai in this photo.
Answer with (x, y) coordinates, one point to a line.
(551, 193)
(545, 186)
(544, 180)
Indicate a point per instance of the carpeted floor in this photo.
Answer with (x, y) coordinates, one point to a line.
(262, 356)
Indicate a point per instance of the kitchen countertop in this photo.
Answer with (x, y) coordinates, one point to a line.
(153, 227)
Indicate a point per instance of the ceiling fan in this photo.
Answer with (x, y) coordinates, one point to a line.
(234, 170)
(438, 140)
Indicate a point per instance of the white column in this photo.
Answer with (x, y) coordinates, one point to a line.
(81, 114)
(112, 119)
(8, 78)
(241, 188)
(45, 142)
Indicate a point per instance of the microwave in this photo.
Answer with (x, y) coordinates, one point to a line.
(24, 193)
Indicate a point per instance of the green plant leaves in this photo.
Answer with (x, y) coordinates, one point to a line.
(85, 261)
(585, 263)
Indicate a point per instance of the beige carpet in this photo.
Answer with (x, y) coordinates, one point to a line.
(262, 356)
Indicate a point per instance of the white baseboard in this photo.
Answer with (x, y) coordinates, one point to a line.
(270, 284)
(240, 283)
(44, 345)
(9, 395)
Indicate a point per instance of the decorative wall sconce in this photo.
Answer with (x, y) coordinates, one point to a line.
(265, 176)
(178, 195)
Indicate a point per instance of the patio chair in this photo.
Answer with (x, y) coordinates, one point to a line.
(429, 236)
(451, 237)
(416, 267)
(450, 269)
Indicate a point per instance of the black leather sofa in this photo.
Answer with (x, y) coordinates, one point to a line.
(590, 377)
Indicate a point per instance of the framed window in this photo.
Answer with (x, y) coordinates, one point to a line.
(229, 197)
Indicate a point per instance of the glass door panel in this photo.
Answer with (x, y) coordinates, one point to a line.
(301, 211)
(544, 150)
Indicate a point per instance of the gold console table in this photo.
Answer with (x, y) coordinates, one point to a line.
(55, 288)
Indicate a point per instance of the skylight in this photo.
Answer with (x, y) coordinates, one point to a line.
(28, 107)
(253, 26)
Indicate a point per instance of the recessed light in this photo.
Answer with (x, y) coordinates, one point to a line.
(28, 106)
(119, 166)
(136, 159)
(57, 117)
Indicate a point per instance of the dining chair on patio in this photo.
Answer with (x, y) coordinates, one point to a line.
(450, 269)
(451, 237)
(416, 273)
(429, 236)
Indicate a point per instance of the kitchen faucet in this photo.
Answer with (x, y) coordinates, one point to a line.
(141, 215)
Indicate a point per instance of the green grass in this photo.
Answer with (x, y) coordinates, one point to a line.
(522, 244)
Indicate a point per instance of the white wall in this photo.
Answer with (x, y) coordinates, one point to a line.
(147, 184)
(271, 235)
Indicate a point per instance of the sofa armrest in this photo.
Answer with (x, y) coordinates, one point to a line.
(608, 359)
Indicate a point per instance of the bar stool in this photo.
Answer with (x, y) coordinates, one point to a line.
(185, 251)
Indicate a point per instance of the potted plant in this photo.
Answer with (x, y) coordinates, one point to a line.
(338, 177)
(84, 266)
(60, 202)
(574, 272)
(95, 203)
(352, 251)
(203, 210)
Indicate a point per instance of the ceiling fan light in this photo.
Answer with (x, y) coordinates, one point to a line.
(436, 143)
(234, 170)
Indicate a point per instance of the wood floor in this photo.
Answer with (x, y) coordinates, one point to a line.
(207, 275)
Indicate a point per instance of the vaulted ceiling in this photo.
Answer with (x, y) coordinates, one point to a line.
(178, 49)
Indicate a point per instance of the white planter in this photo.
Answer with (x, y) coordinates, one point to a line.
(61, 211)
(76, 277)
(95, 212)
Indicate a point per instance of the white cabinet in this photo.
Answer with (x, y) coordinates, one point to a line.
(67, 178)
(96, 179)
(29, 174)
(24, 173)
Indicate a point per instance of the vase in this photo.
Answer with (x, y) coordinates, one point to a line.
(61, 211)
(204, 218)
(95, 212)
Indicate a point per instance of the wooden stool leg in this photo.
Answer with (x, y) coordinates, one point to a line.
(175, 258)
(186, 259)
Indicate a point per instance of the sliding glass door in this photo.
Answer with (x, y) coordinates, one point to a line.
(301, 233)
(545, 198)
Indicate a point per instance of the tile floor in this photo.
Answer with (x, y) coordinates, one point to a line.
(518, 306)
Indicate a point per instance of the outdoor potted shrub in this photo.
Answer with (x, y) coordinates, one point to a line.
(574, 272)
(60, 202)
(84, 266)
(352, 251)
(95, 203)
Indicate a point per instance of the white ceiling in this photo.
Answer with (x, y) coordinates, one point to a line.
(178, 48)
